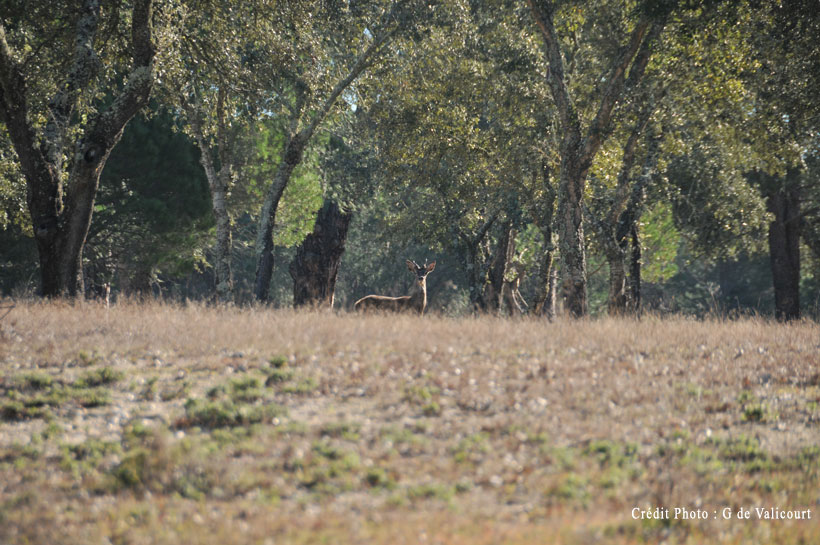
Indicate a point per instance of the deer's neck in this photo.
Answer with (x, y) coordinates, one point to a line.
(418, 296)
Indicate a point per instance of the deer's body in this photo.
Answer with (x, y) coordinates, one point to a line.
(415, 302)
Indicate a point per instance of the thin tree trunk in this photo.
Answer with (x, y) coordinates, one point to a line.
(316, 265)
(493, 296)
(784, 250)
(616, 304)
(540, 301)
(476, 277)
(544, 217)
(267, 218)
(218, 183)
(635, 272)
(552, 295)
(224, 243)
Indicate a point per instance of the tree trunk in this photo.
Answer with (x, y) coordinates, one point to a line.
(635, 272)
(784, 250)
(571, 238)
(224, 244)
(544, 297)
(316, 264)
(493, 289)
(476, 277)
(218, 183)
(616, 303)
(471, 253)
(295, 147)
(541, 301)
(291, 158)
(552, 294)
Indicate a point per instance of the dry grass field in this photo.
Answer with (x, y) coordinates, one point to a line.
(169, 424)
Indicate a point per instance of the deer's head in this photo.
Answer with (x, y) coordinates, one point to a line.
(421, 271)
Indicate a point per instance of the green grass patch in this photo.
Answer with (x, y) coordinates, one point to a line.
(345, 430)
(431, 491)
(99, 377)
(278, 362)
(302, 386)
(225, 413)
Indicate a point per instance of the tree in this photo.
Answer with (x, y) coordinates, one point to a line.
(63, 142)
(784, 38)
(579, 146)
(152, 214)
(347, 172)
(618, 223)
(309, 100)
(316, 265)
(221, 86)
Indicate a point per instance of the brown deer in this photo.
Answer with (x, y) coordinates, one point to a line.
(415, 302)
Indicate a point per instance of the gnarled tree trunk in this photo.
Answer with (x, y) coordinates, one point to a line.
(316, 265)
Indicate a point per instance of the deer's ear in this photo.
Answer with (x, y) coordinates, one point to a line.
(431, 266)
(411, 266)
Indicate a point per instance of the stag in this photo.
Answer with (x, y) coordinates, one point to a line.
(415, 302)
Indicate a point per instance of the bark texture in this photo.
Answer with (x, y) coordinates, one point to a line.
(784, 250)
(635, 305)
(546, 275)
(316, 265)
(218, 182)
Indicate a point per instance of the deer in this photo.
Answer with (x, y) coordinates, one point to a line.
(415, 302)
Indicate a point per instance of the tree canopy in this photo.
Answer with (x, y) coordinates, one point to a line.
(575, 155)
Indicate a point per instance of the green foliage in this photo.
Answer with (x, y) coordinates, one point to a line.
(459, 127)
(153, 211)
(660, 240)
(13, 209)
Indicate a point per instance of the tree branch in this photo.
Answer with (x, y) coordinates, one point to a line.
(85, 66)
(542, 12)
(15, 115)
(363, 62)
(612, 93)
(137, 89)
(628, 160)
